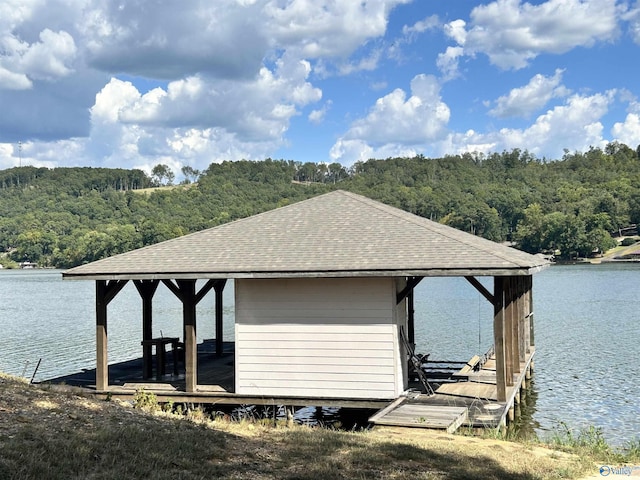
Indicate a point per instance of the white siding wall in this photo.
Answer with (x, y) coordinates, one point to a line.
(332, 338)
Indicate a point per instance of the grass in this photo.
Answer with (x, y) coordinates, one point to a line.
(59, 435)
(589, 442)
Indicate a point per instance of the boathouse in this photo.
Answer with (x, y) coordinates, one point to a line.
(323, 302)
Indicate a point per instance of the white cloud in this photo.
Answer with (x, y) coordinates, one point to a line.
(421, 26)
(456, 31)
(575, 125)
(628, 132)
(48, 59)
(51, 57)
(448, 62)
(328, 29)
(632, 16)
(232, 73)
(13, 81)
(512, 33)
(172, 40)
(254, 110)
(523, 101)
(317, 116)
(397, 122)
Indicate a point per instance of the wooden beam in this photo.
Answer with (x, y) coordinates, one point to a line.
(173, 287)
(112, 289)
(219, 288)
(515, 338)
(498, 338)
(508, 330)
(481, 288)
(522, 321)
(102, 366)
(532, 341)
(205, 289)
(105, 292)
(412, 282)
(411, 318)
(147, 289)
(187, 289)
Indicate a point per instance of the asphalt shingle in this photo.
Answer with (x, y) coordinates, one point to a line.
(335, 234)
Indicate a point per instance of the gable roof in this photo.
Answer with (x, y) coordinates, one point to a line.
(337, 234)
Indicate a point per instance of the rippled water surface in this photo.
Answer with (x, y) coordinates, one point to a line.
(587, 334)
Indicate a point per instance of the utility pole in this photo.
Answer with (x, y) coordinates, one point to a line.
(19, 153)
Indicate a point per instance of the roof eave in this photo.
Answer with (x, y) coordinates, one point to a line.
(430, 272)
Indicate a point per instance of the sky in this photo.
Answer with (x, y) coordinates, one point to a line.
(134, 84)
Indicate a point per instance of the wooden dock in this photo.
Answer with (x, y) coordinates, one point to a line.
(470, 402)
(469, 399)
(215, 383)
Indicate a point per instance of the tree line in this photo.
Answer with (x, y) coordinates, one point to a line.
(571, 207)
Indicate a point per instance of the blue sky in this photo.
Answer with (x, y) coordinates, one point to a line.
(135, 84)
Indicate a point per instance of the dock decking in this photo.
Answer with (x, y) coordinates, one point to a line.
(471, 402)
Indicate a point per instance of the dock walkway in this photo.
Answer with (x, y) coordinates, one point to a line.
(471, 402)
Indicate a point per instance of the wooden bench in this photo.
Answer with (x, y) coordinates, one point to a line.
(160, 345)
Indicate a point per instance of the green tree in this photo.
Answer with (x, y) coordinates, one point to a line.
(162, 174)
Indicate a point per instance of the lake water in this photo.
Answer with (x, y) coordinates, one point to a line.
(586, 329)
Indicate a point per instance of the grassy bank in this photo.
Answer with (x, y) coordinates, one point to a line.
(47, 434)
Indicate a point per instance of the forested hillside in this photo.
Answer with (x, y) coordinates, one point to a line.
(67, 216)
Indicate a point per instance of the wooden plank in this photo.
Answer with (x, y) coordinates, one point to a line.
(303, 375)
(499, 338)
(299, 383)
(469, 389)
(294, 335)
(315, 394)
(309, 328)
(468, 367)
(102, 365)
(337, 368)
(148, 387)
(309, 353)
(343, 346)
(425, 416)
(371, 362)
(381, 413)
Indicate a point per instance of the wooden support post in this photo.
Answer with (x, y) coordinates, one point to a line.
(527, 315)
(219, 289)
(522, 319)
(147, 289)
(411, 329)
(102, 365)
(508, 330)
(188, 294)
(515, 341)
(105, 292)
(531, 322)
(185, 290)
(498, 338)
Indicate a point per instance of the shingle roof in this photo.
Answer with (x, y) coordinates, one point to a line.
(335, 234)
